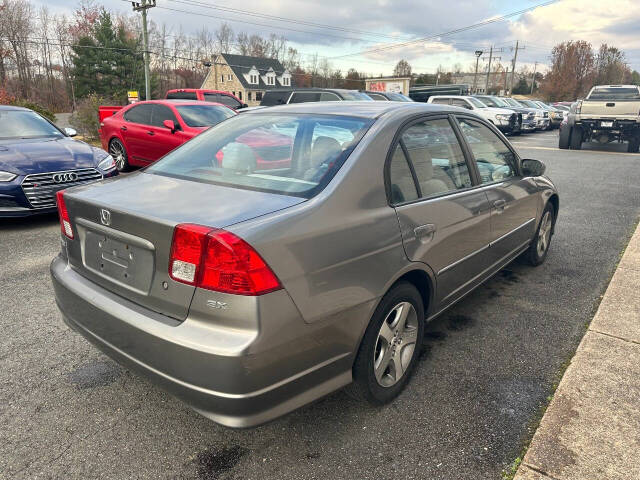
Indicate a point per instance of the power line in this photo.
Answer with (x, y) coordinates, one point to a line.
(281, 19)
(451, 32)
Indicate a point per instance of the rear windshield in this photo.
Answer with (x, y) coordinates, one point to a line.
(358, 96)
(614, 93)
(182, 96)
(15, 124)
(203, 115)
(281, 153)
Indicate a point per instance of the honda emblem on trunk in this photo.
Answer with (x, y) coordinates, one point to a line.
(105, 216)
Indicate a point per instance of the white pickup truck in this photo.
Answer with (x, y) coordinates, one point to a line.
(609, 113)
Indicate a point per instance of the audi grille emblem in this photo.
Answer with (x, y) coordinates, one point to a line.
(65, 177)
(105, 216)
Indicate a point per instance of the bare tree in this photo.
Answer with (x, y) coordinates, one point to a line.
(224, 38)
(16, 24)
(402, 69)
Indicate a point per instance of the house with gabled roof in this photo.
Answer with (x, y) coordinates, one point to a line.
(246, 77)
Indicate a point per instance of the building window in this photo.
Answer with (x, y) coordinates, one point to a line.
(249, 96)
(222, 78)
(271, 80)
(240, 95)
(253, 79)
(229, 77)
(286, 81)
(258, 96)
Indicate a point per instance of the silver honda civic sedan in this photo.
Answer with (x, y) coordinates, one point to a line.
(295, 250)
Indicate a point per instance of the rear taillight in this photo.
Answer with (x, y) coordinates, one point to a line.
(65, 221)
(218, 260)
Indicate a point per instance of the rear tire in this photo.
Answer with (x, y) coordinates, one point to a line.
(539, 247)
(119, 154)
(390, 347)
(634, 144)
(563, 139)
(575, 138)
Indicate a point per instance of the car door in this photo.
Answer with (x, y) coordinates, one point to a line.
(163, 140)
(134, 132)
(444, 219)
(513, 207)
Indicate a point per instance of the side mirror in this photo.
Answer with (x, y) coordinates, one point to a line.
(533, 168)
(170, 125)
(245, 105)
(71, 132)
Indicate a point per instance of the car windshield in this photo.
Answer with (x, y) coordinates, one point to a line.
(358, 96)
(477, 103)
(203, 115)
(281, 153)
(614, 93)
(562, 107)
(511, 102)
(529, 103)
(398, 97)
(16, 124)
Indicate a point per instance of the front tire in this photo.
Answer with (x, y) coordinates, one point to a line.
(634, 144)
(563, 138)
(119, 154)
(390, 347)
(537, 252)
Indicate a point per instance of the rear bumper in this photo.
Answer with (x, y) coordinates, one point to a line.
(236, 377)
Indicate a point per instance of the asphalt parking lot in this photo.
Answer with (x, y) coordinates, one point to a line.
(489, 364)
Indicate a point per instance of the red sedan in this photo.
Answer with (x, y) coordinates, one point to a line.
(141, 133)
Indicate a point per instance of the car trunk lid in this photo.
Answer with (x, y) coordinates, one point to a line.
(123, 231)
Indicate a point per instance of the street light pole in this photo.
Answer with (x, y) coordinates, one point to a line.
(475, 77)
(486, 87)
(142, 8)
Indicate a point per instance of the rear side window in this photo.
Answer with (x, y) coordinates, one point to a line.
(377, 97)
(139, 114)
(203, 115)
(274, 97)
(329, 97)
(403, 187)
(280, 153)
(441, 101)
(496, 162)
(182, 95)
(160, 114)
(436, 156)
(304, 97)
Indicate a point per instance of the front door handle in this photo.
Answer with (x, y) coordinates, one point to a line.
(500, 204)
(424, 230)
(150, 132)
(123, 128)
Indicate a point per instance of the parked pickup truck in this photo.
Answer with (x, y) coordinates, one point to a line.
(609, 113)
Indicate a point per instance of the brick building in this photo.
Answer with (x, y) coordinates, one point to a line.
(246, 77)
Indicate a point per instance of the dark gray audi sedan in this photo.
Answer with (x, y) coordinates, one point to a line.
(294, 250)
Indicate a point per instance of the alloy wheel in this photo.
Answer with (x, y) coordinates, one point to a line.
(117, 152)
(395, 344)
(544, 234)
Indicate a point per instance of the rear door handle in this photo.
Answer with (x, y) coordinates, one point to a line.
(150, 132)
(123, 128)
(424, 230)
(500, 204)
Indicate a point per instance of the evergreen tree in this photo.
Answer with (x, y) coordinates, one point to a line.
(522, 87)
(108, 61)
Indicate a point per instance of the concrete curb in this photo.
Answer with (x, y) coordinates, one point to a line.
(591, 429)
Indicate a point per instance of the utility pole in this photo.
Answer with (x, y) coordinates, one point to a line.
(533, 79)
(142, 7)
(491, 57)
(475, 76)
(513, 64)
(486, 86)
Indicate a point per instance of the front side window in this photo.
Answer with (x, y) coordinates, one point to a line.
(436, 157)
(286, 154)
(304, 97)
(329, 97)
(203, 115)
(25, 124)
(377, 97)
(459, 102)
(161, 113)
(496, 162)
(139, 114)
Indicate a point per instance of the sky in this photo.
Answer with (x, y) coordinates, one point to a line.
(365, 30)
